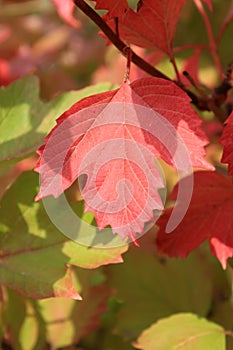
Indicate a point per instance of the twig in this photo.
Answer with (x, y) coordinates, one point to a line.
(128, 64)
(203, 104)
(193, 83)
(120, 45)
(173, 62)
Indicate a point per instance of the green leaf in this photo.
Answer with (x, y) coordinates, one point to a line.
(35, 258)
(182, 331)
(25, 120)
(151, 289)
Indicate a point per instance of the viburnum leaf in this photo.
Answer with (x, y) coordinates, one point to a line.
(227, 142)
(65, 10)
(115, 8)
(25, 119)
(152, 26)
(182, 331)
(113, 138)
(205, 219)
(36, 259)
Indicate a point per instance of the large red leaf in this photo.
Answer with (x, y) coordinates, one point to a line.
(153, 25)
(227, 142)
(209, 216)
(115, 8)
(113, 137)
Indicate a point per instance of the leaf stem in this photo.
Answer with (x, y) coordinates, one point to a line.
(173, 62)
(225, 24)
(229, 333)
(193, 83)
(213, 45)
(191, 46)
(128, 64)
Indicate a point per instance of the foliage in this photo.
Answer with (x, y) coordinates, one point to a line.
(116, 164)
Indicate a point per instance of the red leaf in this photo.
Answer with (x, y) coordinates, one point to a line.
(209, 216)
(65, 10)
(115, 8)
(227, 142)
(113, 137)
(153, 25)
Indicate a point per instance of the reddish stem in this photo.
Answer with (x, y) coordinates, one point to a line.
(173, 62)
(128, 64)
(229, 333)
(191, 46)
(225, 23)
(213, 45)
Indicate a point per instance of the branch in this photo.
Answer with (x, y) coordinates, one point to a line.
(120, 45)
(203, 104)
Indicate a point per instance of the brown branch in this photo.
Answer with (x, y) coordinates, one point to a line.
(207, 103)
(120, 45)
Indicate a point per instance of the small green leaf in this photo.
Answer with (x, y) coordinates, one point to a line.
(182, 332)
(25, 120)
